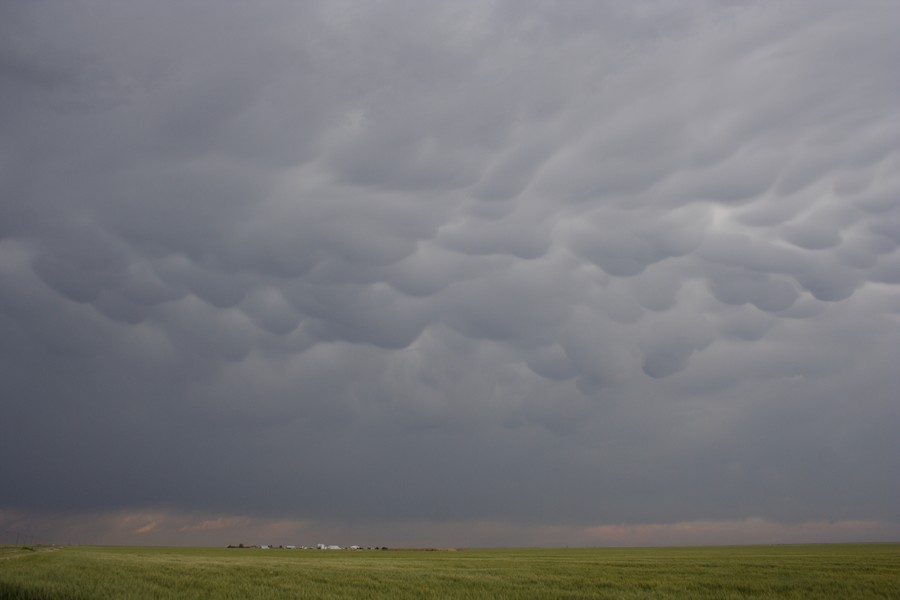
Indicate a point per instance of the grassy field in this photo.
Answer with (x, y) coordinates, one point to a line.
(803, 571)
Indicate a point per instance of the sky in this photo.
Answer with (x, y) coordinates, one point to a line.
(449, 273)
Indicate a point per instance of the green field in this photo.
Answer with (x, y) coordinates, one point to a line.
(801, 571)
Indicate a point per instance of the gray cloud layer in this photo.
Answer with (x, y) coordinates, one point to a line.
(543, 264)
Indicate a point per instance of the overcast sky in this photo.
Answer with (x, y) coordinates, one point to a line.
(449, 273)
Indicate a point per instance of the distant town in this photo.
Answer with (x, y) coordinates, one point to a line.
(317, 547)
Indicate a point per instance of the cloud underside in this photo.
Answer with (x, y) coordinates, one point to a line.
(161, 527)
(565, 266)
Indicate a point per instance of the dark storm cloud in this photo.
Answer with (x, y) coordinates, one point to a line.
(504, 263)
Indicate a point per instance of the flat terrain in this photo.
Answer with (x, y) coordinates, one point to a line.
(801, 571)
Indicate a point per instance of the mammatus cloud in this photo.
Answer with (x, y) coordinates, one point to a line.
(563, 269)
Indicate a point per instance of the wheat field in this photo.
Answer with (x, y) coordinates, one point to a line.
(790, 571)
